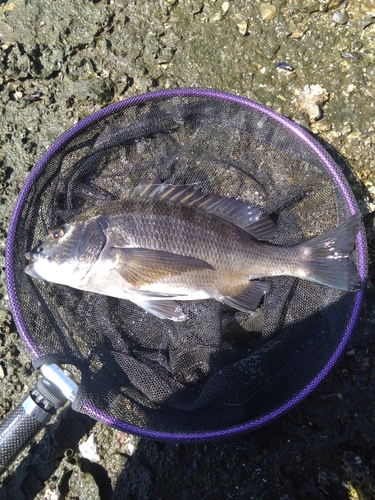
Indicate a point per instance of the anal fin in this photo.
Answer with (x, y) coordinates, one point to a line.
(250, 298)
(164, 309)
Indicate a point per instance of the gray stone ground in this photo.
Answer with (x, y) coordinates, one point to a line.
(61, 61)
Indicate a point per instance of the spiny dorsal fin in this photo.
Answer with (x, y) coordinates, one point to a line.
(249, 218)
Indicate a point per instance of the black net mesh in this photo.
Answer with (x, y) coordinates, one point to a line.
(220, 368)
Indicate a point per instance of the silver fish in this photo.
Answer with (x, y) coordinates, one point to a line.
(164, 242)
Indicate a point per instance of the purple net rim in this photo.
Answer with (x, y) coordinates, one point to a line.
(165, 94)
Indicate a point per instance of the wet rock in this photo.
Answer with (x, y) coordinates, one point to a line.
(311, 6)
(357, 45)
(310, 100)
(90, 88)
(298, 30)
(333, 4)
(225, 7)
(242, 27)
(218, 16)
(82, 485)
(15, 63)
(353, 56)
(48, 60)
(340, 17)
(368, 7)
(267, 11)
(5, 31)
(196, 6)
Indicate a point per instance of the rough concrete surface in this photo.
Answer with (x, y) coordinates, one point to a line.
(311, 60)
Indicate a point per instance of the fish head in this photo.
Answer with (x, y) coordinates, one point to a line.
(67, 254)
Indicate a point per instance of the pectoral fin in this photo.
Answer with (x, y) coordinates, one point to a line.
(250, 298)
(164, 309)
(139, 266)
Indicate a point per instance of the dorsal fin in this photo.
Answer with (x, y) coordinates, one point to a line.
(249, 218)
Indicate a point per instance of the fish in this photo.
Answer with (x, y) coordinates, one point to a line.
(164, 242)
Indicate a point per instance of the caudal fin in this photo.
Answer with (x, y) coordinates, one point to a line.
(325, 257)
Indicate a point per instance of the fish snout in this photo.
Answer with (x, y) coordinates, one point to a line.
(30, 256)
(34, 254)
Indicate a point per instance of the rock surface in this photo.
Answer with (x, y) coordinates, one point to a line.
(60, 62)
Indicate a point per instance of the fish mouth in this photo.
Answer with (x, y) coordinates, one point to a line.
(31, 256)
(30, 269)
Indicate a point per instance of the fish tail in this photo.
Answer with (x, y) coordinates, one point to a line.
(325, 257)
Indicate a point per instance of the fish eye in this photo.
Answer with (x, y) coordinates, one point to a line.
(57, 233)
